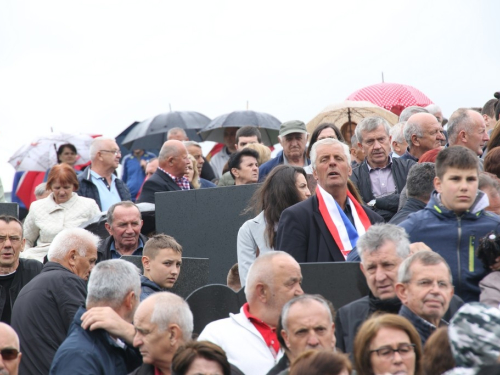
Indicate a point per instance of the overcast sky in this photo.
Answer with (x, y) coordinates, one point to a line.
(97, 66)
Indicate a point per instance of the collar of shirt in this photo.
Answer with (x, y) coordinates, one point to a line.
(157, 371)
(388, 166)
(182, 182)
(103, 179)
(267, 333)
(116, 255)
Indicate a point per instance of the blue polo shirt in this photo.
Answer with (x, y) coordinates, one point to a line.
(107, 194)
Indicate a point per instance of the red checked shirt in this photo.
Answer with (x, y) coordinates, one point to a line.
(182, 182)
(267, 333)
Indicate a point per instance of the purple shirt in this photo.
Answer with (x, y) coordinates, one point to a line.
(382, 180)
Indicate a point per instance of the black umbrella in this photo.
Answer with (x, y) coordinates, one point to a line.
(152, 133)
(96, 224)
(268, 125)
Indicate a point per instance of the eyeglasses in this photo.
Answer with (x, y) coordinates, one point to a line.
(13, 239)
(387, 353)
(116, 152)
(9, 354)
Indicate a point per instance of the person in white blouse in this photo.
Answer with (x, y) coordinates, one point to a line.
(62, 209)
(284, 186)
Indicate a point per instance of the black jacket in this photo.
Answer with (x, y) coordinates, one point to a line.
(350, 317)
(89, 190)
(27, 270)
(303, 234)
(43, 313)
(104, 252)
(158, 182)
(412, 205)
(386, 206)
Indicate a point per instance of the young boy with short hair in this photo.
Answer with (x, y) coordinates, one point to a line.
(454, 219)
(161, 260)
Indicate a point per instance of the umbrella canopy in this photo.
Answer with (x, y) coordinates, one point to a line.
(152, 133)
(41, 153)
(392, 96)
(349, 111)
(268, 125)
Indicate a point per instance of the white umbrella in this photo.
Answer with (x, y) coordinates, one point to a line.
(350, 111)
(41, 153)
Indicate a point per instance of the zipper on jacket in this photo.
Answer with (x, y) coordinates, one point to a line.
(459, 219)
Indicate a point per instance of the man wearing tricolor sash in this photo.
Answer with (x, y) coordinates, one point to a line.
(325, 227)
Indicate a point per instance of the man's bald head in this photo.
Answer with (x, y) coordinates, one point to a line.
(9, 340)
(173, 158)
(423, 132)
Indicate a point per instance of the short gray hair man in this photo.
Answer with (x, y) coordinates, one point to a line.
(410, 111)
(467, 128)
(111, 210)
(328, 141)
(436, 111)
(110, 282)
(427, 258)
(178, 134)
(377, 235)
(398, 142)
(369, 124)
(420, 181)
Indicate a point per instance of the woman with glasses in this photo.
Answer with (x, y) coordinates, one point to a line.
(387, 344)
(62, 209)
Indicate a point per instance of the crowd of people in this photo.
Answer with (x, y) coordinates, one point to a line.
(416, 204)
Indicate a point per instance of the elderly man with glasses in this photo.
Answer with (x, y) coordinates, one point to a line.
(98, 180)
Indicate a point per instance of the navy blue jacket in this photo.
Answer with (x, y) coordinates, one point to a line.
(93, 352)
(268, 166)
(148, 287)
(456, 239)
(206, 184)
(133, 174)
(89, 190)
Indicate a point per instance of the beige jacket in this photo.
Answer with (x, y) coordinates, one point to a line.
(46, 219)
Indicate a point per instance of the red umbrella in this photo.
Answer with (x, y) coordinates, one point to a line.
(391, 96)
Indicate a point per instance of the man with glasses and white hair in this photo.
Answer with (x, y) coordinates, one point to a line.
(425, 288)
(98, 180)
(45, 307)
(10, 356)
(114, 284)
(325, 227)
(163, 322)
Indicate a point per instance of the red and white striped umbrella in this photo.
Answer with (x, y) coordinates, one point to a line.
(392, 96)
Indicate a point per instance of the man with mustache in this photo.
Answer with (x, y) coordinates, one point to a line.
(425, 289)
(380, 177)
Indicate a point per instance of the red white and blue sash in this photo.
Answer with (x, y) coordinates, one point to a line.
(343, 232)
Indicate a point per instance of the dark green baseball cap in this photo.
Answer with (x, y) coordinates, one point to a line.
(294, 126)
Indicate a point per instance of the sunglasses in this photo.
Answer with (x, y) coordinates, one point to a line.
(9, 354)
